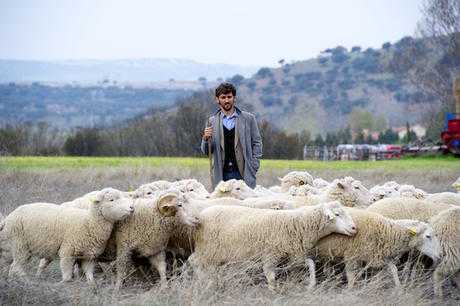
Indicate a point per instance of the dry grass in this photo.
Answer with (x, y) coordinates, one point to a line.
(235, 285)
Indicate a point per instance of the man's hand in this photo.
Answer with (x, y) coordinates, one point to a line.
(207, 133)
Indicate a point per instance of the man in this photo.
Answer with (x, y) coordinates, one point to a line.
(236, 145)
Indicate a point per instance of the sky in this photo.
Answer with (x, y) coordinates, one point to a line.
(243, 32)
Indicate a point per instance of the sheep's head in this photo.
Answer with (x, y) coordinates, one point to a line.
(320, 183)
(191, 186)
(146, 191)
(233, 188)
(422, 238)
(456, 185)
(295, 178)
(339, 220)
(409, 191)
(350, 193)
(392, 184)
(303, 190)
(112, 204)
(171, 204)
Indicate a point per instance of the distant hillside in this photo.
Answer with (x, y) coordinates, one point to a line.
(125, 70)
(319, 94)
(70, 106)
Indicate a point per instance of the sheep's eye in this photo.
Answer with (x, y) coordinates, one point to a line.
(428, 236)
(191, 189)
(337, 214)
(179, 204)
(238, 188)
(149, 192)
(111, 200)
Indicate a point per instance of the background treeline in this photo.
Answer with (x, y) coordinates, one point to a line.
(176, 133)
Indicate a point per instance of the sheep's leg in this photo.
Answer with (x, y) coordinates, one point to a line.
(394, 273)
(122, 264)
(439, 276)
(270, 273)
(311, 269)
(159, 262)
(66, 264)
(350, 272)
(44, 262)
(21, 256)
(88, 269)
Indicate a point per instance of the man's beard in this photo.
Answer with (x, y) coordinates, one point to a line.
(227, 106)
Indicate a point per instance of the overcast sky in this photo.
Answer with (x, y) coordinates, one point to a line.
(246, 32)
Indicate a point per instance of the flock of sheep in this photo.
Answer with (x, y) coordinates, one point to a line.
(303, 220)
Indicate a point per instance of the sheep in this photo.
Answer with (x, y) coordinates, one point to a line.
(320, 183)
(232, 233)
(456, 185)
(410, 191)
(85, 201)
(148, 231)
(233, 188)
(444, 197)
(378, 243)
(50, 231)
(264, 192)
(446, 228)
(146, 191)
(191, 187)
(407, 208)
(293, 178)
(347, 191)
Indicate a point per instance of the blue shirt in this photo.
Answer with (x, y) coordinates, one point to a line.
(229, 121)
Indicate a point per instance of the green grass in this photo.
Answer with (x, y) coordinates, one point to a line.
(38, 163)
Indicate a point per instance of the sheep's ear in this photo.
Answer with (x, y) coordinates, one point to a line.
(167, 204)
(96, 199)
(329, 214)
(224, 187)
(301, 183)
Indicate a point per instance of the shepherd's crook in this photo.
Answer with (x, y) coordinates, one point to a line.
(210, 154)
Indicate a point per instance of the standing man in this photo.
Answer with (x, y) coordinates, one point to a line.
(236, 145)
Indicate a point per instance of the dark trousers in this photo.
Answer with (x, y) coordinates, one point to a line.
(234, 174)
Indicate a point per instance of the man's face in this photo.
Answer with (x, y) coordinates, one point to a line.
(226, 101)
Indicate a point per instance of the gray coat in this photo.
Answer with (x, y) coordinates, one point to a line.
(248, 147)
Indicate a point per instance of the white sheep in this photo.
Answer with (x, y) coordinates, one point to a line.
(320, 183)
(451, 198)
(191, 187)
(52, 231)
(407, 208)
(234, 189)
(148, 231)
(378, 243)
(347, 191)
(410, 191)
(233, 233)
(85, 201)
(293, 178)
(261, 191)
(446, 228)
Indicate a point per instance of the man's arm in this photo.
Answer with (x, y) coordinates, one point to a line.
(256, 142)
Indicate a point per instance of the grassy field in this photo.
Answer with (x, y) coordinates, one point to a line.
(59, 179)
(34, 162)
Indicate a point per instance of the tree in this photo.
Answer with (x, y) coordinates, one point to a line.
(319, 140)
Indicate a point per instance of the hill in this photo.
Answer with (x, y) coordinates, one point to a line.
(319, 94)
(123, 70)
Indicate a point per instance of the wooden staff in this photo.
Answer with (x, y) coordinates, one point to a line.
(209, 153)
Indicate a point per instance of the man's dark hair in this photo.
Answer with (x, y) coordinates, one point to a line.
(225, 88)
